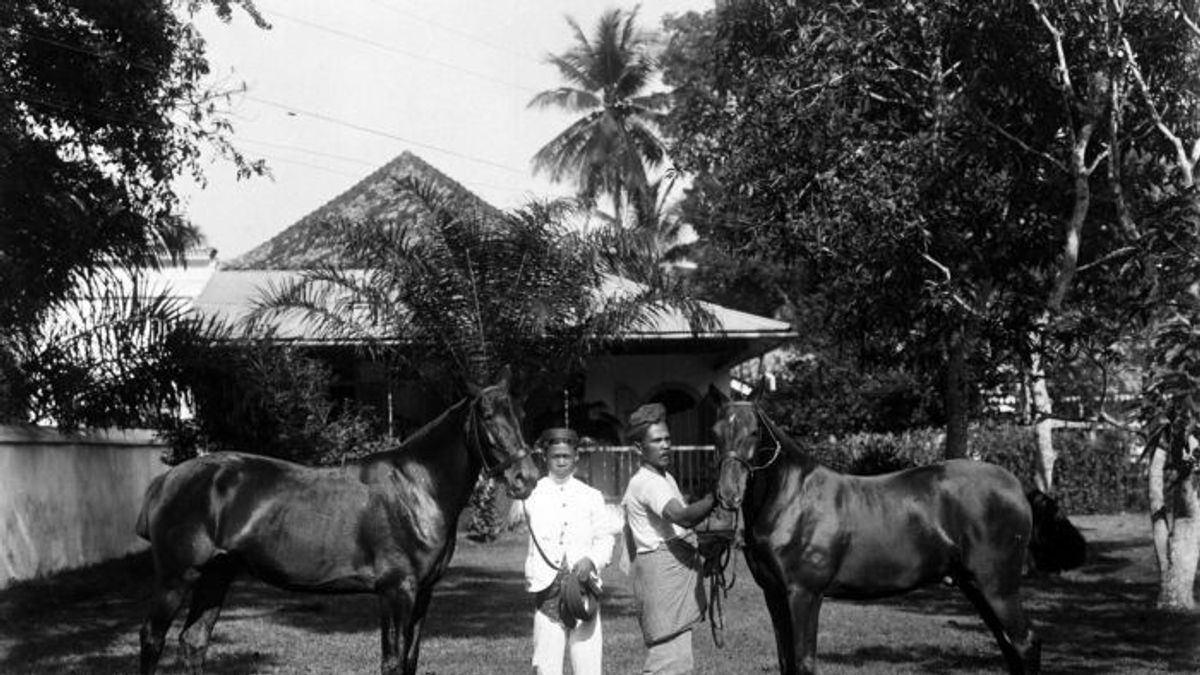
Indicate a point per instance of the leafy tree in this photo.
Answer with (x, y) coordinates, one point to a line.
(607, 150)
(961, 185)
(101, 106)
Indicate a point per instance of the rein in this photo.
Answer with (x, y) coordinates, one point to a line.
(718, 586)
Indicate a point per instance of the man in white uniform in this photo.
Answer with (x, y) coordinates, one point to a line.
(666, 562)
(570, 532)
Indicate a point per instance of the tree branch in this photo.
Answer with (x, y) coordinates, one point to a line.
(1185, 160)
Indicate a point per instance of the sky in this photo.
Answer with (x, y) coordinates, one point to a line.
(334, 90)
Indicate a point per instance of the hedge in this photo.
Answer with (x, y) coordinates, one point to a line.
(1095, 471)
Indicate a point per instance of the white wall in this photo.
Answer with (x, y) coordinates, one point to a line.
(70, 501)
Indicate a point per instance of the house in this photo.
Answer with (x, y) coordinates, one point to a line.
(662, 362)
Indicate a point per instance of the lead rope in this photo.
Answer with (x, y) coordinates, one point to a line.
(718, 588)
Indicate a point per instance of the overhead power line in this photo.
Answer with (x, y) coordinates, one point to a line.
(394, 50)
(452, 29)
(295, 110)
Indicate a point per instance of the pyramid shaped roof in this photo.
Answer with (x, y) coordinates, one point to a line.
(378, 196)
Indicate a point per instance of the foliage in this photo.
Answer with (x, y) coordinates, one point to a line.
(266, 399)
(486, 523)
(104, 361)
(1170, 406)
(102, 105)
(1098, 474)
(933, 178)
(867, 453)
(823, 396)
(607, 150)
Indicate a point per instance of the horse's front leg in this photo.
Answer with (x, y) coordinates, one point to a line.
(805, 609)
(775, 595)
(412, 631)
(396, 604)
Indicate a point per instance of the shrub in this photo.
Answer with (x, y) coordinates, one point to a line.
(1094, 472)
(270, 401)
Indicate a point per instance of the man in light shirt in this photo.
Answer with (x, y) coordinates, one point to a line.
(570, 532)
(666, 562)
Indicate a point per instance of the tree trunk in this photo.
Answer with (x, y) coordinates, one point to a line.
(1177, 590)
(1159, 525)
(1043, 425)
(955, 397)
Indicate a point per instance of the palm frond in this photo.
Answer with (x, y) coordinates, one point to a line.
(567, 98)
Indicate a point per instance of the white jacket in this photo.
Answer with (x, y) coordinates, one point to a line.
(568, 520)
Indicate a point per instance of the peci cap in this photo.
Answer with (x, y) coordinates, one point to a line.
(556, 435)
(646, 415)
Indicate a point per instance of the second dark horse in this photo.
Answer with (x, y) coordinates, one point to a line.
(812, 533)
(384, 524)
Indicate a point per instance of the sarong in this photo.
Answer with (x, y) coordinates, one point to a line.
(667, 584)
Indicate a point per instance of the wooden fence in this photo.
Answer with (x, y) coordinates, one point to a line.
(609, 468)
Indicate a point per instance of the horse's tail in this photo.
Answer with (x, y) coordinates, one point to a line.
(148, 503)
(1054, 545)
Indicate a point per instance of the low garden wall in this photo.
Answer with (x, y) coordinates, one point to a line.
(70, 500)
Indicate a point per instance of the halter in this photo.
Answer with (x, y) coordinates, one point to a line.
(499, 466)
(775, 452)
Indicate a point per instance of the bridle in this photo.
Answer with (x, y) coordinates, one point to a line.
(732, 456)
(495, 467)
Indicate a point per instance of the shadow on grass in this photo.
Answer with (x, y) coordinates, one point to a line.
(1100, 613)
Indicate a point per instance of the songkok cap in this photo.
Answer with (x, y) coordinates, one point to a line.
(555, 435)
(641, 419)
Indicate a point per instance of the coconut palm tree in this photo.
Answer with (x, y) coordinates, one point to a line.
(608, 149)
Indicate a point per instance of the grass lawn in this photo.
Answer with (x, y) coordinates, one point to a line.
(1093, 620)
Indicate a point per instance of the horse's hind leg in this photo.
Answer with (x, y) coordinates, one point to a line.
(1003, 615)
(396, 605)
(208, 595)
(163, 607)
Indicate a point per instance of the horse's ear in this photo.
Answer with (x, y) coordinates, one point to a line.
(716, 395)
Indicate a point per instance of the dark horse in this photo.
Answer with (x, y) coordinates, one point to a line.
(384, 524)
(811, 532)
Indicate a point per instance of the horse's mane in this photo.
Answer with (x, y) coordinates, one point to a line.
(789, 447)
(428, 432)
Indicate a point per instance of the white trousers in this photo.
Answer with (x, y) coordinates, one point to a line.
(583, 644)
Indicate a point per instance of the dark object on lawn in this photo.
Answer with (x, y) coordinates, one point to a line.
(1055, 545)
(811, 532)
(384, 524)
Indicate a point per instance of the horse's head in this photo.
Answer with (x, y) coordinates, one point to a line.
(738, 429)
(496, 430)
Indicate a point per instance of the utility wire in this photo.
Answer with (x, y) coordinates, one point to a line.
(294, 110)
(456, 31)
(388, 48)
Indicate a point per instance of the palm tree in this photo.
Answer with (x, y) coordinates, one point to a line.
(607, 150)
(466, 292)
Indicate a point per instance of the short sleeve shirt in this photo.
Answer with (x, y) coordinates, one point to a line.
(645, 498)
